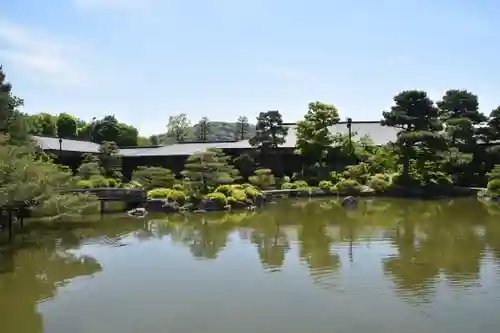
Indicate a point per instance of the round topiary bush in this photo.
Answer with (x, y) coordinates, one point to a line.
(167, 194)
(87, 184)
(252, 192)
(494, 187)
(378, 184)
(325, 185)
(349, 186)
(286, 186)
(224, 189)
(219, 198)
(239, 195)
(300, 184)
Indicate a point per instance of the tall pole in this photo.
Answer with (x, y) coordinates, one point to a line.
(60, 149)
(349, 128)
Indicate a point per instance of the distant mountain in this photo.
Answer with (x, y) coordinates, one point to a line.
(219, 131)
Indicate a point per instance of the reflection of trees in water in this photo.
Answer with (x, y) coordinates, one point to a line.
(33, 275)
(434, 238)
(272, 244)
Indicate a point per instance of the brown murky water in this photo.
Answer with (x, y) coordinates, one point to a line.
(389, 266)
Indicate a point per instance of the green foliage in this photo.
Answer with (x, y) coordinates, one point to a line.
(263, 178)
(110, 159)
(167, 194)
(209, 169)
(251, 191)
(419, 138)
(325, 185)
(225, 189)
(84, 183)
(132, 184)
(66, 126)
(314, 139)
(241, 128)
(359, 172)
(380, 183)
(335, 177)
(177, 128)
(231, 201)
(296, 185)
(349, 187)
(25, 177)
(202, 129)
(219, 198)
(235, 191)
(90, 169)
(494, 187)
(494, 173)
(269, 131)
(154, 177)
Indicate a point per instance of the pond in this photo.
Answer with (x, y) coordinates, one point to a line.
(390, 266)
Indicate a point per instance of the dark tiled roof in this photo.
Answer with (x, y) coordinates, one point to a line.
(373, 129)
(48, 143)
(378, 133)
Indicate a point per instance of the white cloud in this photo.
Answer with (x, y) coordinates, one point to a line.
(285, 73)
(38, 55)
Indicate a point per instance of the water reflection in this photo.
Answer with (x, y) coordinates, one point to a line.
(415, 248)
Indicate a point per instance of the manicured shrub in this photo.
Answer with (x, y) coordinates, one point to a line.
(263, 178)
(359, 172)
(167, 194)
(219, 198)
(239, 195)
(349, 186)
(132, 184)
(335, 177)
(87, 184)
(300, 184)
(252, 192)
(287, 186)
(494, 186)
(224, 189)
(378, 184)
(178, 187)
(99, 181)
(325, 185)
(112, 182)
(231, 201)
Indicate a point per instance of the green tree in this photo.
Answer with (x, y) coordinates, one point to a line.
(12, 122)
(127, 135)
(177, 127)
(25, 177)
(269, 132)
(459, 111)
(110, 160)
(154, 177)
(209, 169)
(202, 129)
(106, 129)
(314, 139)
(46, 124)
(154, 139)
(241, 129)
(66, 126)
(420, 138)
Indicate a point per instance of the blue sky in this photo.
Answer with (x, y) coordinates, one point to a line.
(145, 60)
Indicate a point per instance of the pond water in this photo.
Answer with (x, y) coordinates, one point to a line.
(390, 266)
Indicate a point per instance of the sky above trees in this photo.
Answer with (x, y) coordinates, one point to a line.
(146, 60)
